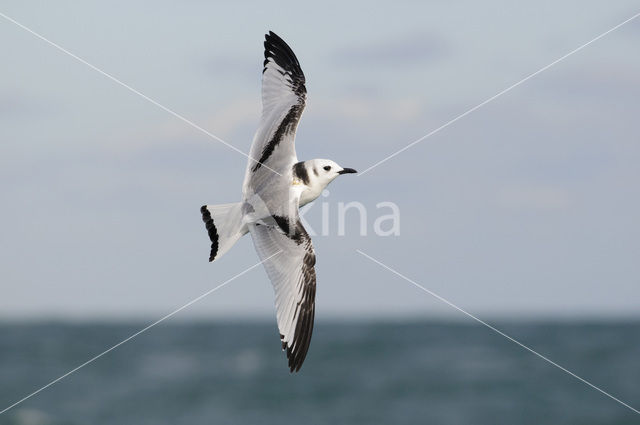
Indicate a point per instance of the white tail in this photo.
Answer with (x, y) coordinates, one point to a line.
(225, 226)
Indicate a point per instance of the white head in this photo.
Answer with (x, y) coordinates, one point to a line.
(316, 174)
(324, 171)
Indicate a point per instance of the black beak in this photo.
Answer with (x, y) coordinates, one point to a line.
(347, 171)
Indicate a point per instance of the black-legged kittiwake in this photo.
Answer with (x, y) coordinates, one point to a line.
(276, 184)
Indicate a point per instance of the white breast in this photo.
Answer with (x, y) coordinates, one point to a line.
(309, 193)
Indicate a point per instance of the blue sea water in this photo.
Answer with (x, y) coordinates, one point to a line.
(355, 373)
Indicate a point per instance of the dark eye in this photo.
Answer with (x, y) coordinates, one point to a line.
(327, 167)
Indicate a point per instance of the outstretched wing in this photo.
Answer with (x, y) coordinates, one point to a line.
(292, 273)
(283, 100)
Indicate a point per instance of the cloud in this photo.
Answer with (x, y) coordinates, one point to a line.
(413, 49)
(534, 197)
(230, 66)
(238, 114)
(608, 82)
(15, 104)
(369, 109)
(225, 123)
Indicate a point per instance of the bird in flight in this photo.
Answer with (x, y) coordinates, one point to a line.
(275, 186)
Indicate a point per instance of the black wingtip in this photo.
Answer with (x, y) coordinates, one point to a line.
(295, 362)
(276, 38)
(276, 49)
(304, 329)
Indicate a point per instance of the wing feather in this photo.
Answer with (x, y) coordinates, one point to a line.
(283, 101)
(291, 270)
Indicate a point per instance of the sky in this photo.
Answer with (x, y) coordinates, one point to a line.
(526, 207)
